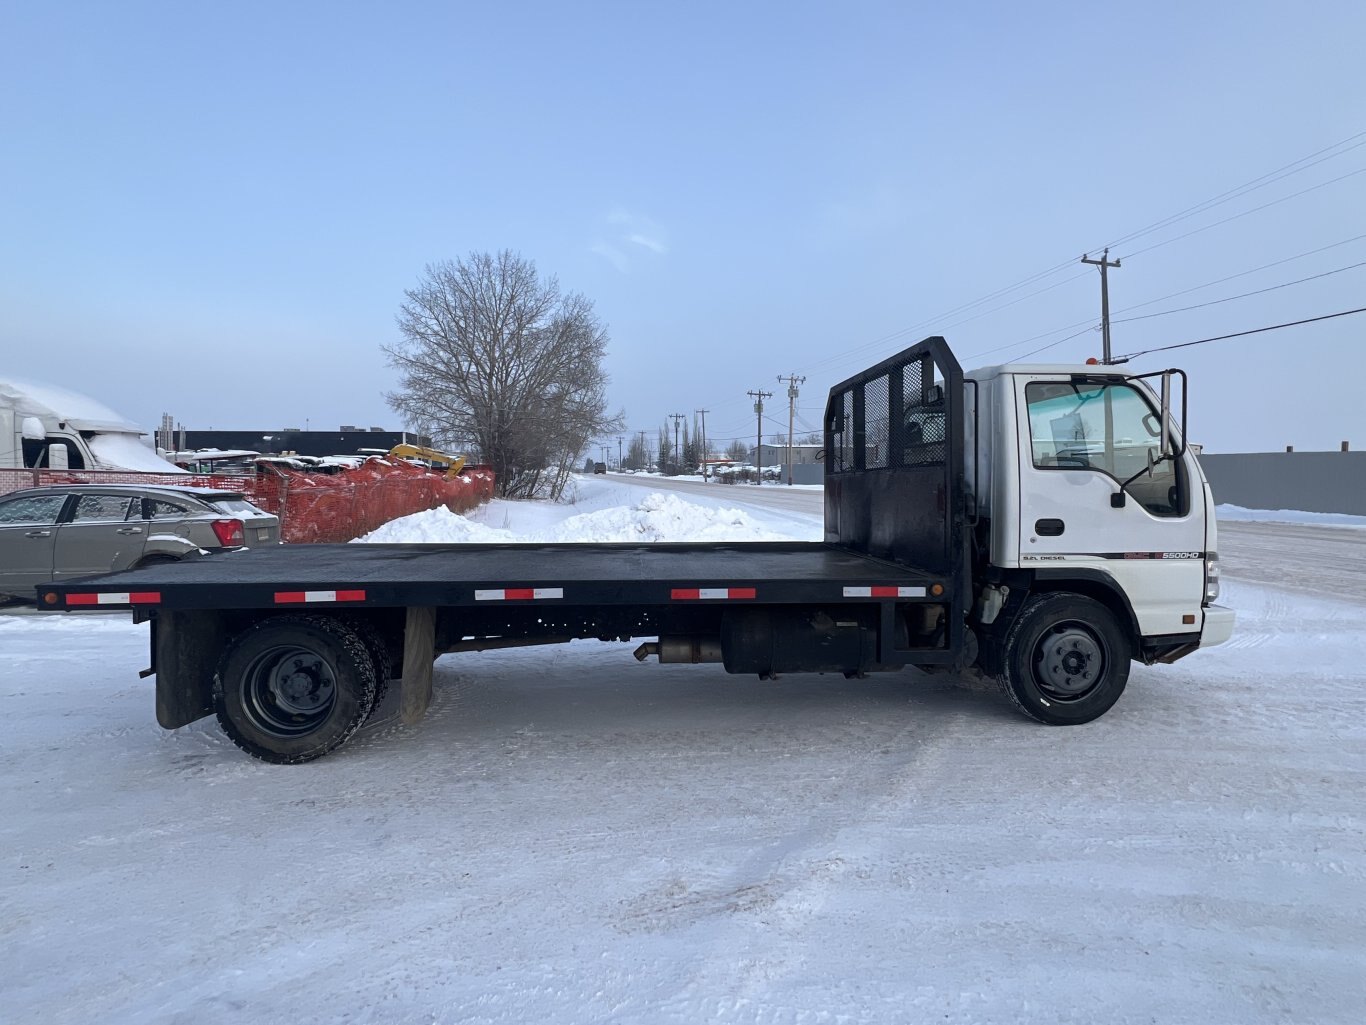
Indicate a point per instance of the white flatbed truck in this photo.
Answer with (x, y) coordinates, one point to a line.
(1042, 525)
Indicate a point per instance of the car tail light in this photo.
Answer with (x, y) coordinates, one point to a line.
(230, 532)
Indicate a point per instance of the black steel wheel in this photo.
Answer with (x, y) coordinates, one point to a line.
(1066, 659)
(292, 688)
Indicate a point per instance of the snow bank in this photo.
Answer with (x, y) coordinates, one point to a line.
(651, 517)
(127, 453)
(1238, 513)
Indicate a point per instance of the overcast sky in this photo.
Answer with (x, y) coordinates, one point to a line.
(213, 211)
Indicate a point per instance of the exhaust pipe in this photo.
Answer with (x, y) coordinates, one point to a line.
(685, 650)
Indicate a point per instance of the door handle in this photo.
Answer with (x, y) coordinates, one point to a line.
(39, 533)
(1049, 528)
(129, 530)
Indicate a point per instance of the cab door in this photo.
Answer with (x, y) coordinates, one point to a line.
(1095, 497)
(103, 533)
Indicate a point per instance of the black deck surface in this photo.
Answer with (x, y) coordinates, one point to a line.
(412, 574)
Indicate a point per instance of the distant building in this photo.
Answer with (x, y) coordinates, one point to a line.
(345, 441)
(771, 455)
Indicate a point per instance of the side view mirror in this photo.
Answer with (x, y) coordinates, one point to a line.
(1169, 447)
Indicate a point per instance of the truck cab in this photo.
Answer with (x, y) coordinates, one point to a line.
(1083, 481)
(47, 428)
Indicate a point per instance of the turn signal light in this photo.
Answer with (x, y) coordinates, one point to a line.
(230, 533)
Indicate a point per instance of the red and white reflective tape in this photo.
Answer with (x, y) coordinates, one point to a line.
(305, 597)
(116, 598)
(711, 593)
(884, 592)
(519, 594)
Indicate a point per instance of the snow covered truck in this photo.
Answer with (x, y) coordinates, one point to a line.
(1041, 525)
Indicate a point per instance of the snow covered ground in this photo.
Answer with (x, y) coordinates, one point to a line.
(573, 837)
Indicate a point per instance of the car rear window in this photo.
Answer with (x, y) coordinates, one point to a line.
(236, 506)
(160, 509)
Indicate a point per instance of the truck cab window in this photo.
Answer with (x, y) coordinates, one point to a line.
(1107, 427)
(36, 454)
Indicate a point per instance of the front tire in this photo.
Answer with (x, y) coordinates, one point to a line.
(292, 688)
(1066, 659)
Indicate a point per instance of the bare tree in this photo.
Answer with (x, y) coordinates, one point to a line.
(495, 359)
(637, 453)
(666, 449)
(738, 450)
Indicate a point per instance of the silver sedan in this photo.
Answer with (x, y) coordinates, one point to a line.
(75, 530)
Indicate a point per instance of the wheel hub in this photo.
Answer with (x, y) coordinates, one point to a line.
(301, 685)
(288, 691)
(1070, 661)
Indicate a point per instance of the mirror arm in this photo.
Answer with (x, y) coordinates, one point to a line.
(1165, 443)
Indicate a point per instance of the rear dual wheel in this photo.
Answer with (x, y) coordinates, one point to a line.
(1066, 659)
(292, 688)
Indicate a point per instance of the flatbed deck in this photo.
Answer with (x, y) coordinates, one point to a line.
(405, 575)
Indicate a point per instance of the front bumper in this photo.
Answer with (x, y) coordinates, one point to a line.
(1218, 625)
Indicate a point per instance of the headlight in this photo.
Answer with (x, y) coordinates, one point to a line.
(1211, 577)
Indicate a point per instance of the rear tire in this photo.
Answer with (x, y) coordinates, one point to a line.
(292, 688)
(379, 654)
(1066, 660)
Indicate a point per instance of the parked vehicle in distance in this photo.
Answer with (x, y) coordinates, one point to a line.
(50, 428)
(60, 532)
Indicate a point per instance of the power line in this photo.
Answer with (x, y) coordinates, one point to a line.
(1238, 191)
(1089, 323)
(1240, 334)
(1298, 166)
(1255, 209)
(1240, 274)
(1244, 295)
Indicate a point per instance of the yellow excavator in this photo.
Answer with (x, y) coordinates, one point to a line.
(453, 464)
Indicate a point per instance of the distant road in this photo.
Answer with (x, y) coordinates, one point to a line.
(1313, 559)
(1308, 558)
(768, 496)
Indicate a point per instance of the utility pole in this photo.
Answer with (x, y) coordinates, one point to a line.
(758, 397)
(705, 452)
(618, 451)
(644, 451)
(792, 381)
(678, 456)
(1104, 263)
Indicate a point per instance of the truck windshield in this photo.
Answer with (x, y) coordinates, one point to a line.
(1107, 427)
